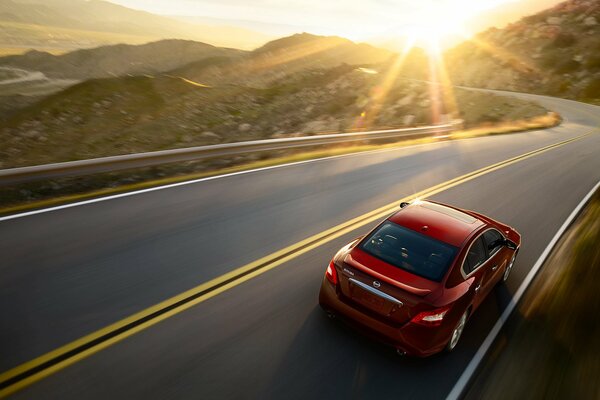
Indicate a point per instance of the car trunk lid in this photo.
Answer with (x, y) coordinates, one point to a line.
(382, 292)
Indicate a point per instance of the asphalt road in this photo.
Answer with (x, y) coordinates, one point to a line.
(69, 272)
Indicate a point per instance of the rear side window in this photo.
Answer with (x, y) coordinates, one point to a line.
(476, 256)
(493, 240)
(410, 250)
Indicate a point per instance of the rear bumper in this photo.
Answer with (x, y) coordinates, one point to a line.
(415, 340)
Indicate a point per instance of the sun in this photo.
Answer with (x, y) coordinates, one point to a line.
(441, 22)
(434, 28)
(432, 25)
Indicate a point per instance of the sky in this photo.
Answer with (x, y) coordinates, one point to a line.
(356, 19)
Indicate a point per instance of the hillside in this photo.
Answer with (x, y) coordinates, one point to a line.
(26, 77)
(73, 24)
(555, 52)
(282, 57)
(134, 114)
(118, 60)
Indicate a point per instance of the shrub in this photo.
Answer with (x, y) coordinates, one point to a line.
(593, 62)
(592, 90)
(551, 59)
(564, 40)
(567, 66)
(340, 104)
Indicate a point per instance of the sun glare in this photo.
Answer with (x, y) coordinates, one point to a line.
(439, 21)
(433, 25)
(433, 30)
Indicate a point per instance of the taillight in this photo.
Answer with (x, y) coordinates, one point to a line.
(431, 318)
(331, 273)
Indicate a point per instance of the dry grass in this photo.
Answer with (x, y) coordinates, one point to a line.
(541, 122)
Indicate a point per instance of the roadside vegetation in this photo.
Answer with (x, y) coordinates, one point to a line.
(554, 349)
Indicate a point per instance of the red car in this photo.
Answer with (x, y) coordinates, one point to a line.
(415, 279)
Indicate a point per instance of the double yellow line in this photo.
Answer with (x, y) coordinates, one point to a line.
(45, 365)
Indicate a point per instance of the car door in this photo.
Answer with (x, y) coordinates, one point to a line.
(472, 268)
(494, 242)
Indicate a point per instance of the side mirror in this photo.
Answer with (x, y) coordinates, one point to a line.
(404, 204)
(510, 244)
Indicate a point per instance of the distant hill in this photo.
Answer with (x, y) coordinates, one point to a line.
(203, 62)
(282, 57)
(555, 52)
(85, 23)
(118, 60)
(27, 78)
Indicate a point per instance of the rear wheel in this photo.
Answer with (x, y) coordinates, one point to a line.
(457, 332)
(509, 268)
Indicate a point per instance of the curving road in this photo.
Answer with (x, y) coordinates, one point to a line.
(72, 271)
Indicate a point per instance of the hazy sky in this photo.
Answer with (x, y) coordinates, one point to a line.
(356, 19)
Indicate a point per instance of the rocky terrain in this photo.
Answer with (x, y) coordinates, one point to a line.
(555, 52)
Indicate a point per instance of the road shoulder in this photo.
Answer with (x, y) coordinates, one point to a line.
(549, 347)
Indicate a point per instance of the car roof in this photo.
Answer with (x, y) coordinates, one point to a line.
(439, 221)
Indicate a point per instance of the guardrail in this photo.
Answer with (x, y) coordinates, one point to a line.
(118, 163)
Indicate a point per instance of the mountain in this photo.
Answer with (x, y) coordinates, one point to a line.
(119, 59)
(27, 78)
(282, 57)
(201, 62)
(85, 23)
(555, 52)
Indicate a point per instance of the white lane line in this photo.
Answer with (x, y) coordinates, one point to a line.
(467, 374)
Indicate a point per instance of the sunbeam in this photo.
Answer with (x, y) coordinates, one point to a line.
(379, 93)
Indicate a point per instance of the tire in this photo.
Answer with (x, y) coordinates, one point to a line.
(457, 332)
(509, 267)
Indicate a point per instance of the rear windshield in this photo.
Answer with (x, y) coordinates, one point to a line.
(410, 250)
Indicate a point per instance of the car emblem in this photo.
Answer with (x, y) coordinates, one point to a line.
(376, 284)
